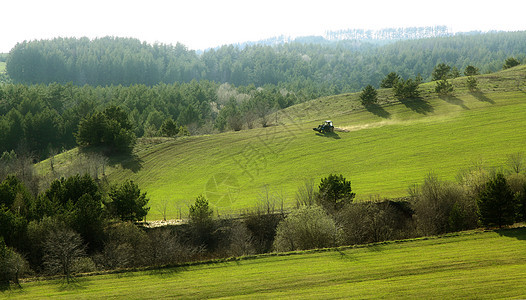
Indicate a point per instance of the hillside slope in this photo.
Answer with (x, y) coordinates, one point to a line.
(383, 150)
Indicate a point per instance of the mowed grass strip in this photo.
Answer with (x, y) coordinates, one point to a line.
(470, 265)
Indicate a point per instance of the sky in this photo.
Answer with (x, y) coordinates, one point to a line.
(201, 24)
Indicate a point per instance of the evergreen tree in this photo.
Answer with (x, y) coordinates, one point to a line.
(369, 96)
(496, 203)
(127, 202)
(390, 80)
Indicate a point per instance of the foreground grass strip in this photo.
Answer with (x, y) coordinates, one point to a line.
(477, 265)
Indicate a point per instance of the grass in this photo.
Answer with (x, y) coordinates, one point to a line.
(2, 67)
(485, 265)
(387, 149)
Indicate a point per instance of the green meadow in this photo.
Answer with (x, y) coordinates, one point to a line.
(383, 150)
(475, 264)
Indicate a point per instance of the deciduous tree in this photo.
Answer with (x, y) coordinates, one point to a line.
(61, 249)
(308, 227)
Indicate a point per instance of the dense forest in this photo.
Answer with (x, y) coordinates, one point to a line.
(43, 119)
(336, 67)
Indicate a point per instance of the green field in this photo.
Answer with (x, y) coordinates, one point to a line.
(482, 265)
(2, 67)
(386, 149)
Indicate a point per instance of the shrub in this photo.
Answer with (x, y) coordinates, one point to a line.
(308, 227)
(262, 228)
(126, 246)
(368, 222)
(12, 266)
(434, 202)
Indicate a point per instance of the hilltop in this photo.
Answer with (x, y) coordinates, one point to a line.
(383, 150)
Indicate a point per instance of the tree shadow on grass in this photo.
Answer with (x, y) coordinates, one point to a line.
(128, 161)
(481, 97)
(518, 233)
(418, 105)
(75, 284)
(345, 256)
(333, 135)
(454, 100)
(378, 110)
(169, 271)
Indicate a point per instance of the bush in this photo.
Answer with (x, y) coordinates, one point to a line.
(12, 266)
(308, 227)
(126, 246)
(434, 203)
(262, 228)
(368, 222)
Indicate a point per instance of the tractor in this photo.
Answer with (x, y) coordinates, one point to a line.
(325, 127)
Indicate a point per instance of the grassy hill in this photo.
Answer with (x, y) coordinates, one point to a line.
(482, 265)
(384, 150)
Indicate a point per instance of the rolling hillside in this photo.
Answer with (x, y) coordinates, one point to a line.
(481, 265)
(382, 150)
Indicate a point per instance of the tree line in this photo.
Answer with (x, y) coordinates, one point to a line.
(80, 224)
(46, 119)
(319, 69)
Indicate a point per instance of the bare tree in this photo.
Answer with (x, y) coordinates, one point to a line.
(266, 201)
(516, 162)
(240, 242)
(162, 208)
(306, 194)
(61, 249)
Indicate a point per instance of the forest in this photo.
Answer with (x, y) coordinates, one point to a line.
(322, 69)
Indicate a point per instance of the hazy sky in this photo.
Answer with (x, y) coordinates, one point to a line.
(200, 24)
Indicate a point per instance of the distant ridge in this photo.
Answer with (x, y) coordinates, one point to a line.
(388, 33)
(371, 35)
